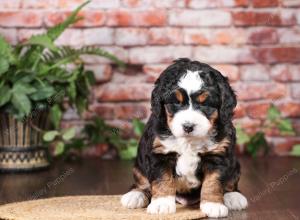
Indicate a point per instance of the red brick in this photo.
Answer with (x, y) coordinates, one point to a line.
(124, 92)
(254, 73)
(256, 91)
(277, 54)
(286, 72)
(71, 37)
(10, 35)
(186, 17)
(136, 18)
(26, 18)
(283, 145)
(263, 36)
(153, 71)
(250, 125)
(257, 110)
(105, 4)
(296, 91)
(67, 4)
(103, 73)
(230, 71)
(38, 4)
(265, 3)
(121, 111)
(158, 54)
(222, 54)
(290, 109)
(98, 36)
(131, 36)
(164, 36)
(214, 36)
(252, 18)
(290, 3)
(10, 4)
(90, 18)
(216, 3)
(289, 35)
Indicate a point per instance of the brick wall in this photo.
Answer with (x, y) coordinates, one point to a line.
(256, 43)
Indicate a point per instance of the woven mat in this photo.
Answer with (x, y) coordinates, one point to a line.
(85, 208)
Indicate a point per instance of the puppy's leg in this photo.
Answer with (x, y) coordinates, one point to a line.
(212, 203)
(163, 195)
(139, 195)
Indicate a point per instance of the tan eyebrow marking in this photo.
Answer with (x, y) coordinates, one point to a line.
(179, 96)
(202, 97)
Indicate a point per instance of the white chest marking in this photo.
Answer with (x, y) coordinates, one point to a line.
(188, 159)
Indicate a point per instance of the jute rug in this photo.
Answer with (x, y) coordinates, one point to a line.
(86, 208)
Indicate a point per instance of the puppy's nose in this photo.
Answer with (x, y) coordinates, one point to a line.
(188, 127)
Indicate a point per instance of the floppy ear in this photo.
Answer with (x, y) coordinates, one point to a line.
(156, 99)
(228, 99)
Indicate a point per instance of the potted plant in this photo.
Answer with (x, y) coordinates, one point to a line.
(37, 78)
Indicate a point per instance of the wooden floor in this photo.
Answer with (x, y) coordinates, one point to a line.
(272, 185)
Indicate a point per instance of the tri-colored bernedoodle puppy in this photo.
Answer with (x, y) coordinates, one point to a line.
(186, 153)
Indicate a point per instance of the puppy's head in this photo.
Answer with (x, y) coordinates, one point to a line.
(190, 98)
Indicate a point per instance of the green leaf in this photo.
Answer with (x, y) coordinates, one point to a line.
(4, 65)
(42, 40)
(71, 89)
(5, 95)
(138, 127)
(285, 126)
(273, 113)
(257, 143)
(21, 102)
(295, 150)
(242, 136)
(43, 92)
(50, 135)
(69, 134)
(23, 88)
(59, 148)
(81, 104)
(57, 30)
(55, 115)
(6, 50)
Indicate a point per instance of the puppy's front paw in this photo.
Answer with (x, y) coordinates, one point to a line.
(134, 199)
(235, 201)
(214, 209)
(162, 205)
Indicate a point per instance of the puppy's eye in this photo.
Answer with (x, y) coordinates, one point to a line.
(202, 97)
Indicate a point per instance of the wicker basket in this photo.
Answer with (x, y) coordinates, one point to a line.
(21, 143)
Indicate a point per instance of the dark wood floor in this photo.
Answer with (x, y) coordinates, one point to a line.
(272, 185)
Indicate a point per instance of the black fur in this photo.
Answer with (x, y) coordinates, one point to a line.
(223, 99)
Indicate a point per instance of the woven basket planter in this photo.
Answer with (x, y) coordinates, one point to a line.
(21, 143)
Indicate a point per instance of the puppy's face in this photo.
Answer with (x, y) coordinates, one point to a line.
(192, 105)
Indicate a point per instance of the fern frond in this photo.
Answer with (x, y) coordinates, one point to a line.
(67, 54)
(54, 32)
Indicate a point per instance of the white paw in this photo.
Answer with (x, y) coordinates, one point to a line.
(134, 199)
(235, 201)
(214, 209)
(162, 205)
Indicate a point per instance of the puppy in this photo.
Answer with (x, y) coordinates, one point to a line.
(186, 153)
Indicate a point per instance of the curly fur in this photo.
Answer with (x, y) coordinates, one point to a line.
(153, 166)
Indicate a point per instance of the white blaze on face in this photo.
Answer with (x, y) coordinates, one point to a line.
(191, 82)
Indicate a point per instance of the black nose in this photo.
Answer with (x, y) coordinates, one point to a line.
(188, 127)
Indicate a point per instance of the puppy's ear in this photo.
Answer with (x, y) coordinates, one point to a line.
(156, 99)
(228, 99)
